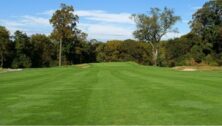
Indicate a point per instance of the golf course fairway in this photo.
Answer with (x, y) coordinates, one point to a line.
(110, 93)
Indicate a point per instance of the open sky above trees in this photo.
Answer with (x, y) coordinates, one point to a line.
(102, 20)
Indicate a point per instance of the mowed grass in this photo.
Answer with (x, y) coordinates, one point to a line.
(110, 93)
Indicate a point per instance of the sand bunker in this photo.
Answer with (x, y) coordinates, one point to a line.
(13, 70)
(198, 68)
(10, 70)
(185, 68)
(189, 69)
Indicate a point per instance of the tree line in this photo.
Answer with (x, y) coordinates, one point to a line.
(68, 45)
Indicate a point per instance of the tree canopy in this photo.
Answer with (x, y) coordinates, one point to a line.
(152, 27)
(4, 40)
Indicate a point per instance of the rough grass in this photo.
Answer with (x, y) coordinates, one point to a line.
(1, 70)
(110, 93)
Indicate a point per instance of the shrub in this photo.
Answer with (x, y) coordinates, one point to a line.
(22, 62)
(210, 60)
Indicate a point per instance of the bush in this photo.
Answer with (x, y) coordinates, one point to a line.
(128, 50)
(197, 53)
(22, 62)
(210, 60)
(219, 59)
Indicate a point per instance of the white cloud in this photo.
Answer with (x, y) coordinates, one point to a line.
(106, 31)
(104, 25)
(98, 15)
(103, 16)
(32, 20)
(12, 26)
(29, 24)
(47, 13)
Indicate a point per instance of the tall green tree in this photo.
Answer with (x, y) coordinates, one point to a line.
(64, 22)
(207, 23)
(4, 40)
(43, 50)
(24, 50)
(152, 27)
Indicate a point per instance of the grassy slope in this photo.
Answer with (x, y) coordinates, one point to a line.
(110, 93)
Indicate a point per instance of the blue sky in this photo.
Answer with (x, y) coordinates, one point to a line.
(100, 19)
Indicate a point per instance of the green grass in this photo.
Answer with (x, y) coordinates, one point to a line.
(1, 70)
(110, 93)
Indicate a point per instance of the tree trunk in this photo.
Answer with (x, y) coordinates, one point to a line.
(60, 53)
(154, 52)
(155, 56)
(2, 60)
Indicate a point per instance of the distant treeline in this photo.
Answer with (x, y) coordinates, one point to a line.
(203, 45)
